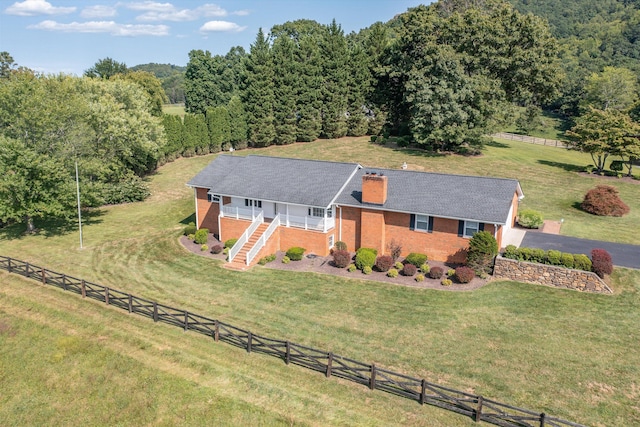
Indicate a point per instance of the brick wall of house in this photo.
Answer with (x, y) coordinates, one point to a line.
(232, 228)
(207, 212)
(271, 247)
(372, 231)
(350, 227)
(313, 241)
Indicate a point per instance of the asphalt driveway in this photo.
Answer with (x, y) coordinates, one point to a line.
(621, 254)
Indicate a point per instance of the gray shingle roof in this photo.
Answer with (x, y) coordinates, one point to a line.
(319, 183)
(474, 198)
(304, 182)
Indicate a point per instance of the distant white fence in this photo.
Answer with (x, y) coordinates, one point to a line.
(531, 139)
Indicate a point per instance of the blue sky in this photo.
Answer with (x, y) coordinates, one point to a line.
(54, 36)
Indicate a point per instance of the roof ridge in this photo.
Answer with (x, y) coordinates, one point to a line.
(306, 160)
(364, 168)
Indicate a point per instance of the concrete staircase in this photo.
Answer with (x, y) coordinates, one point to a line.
(240, 260)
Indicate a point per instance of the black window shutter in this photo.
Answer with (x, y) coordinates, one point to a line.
(412, 224)
(481, 226)
(430, 229)
(460, 228)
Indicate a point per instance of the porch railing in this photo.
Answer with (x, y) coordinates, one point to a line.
(263, 239)
(245, 236)
(241, 213)
(308, 222)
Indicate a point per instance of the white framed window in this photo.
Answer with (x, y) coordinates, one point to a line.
(213, 198)
(422, 223)
(331, 241)
(471, 228)
(252, 202)
(318, 212)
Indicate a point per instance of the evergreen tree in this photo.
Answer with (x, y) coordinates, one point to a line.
(196, 135)
(335, 78)
(309, 101)
(237, 123)
(219, 130)
(284, 107)
(174, 130)
(259, 93)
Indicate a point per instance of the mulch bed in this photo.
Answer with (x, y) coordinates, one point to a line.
(324, 265)
(624, 178)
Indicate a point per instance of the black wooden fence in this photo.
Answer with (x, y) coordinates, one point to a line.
(375, 377)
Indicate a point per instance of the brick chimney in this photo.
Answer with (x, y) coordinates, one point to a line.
(374, 188)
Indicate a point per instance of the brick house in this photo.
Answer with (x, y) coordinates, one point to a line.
(272, 203)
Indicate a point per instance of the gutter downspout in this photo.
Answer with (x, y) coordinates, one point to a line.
(340, 228)
(195, 199)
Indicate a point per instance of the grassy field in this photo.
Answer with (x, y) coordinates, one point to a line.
(73, 362)
(177, 109)
(553, 127)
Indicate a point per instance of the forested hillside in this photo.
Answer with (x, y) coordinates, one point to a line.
(171, 77)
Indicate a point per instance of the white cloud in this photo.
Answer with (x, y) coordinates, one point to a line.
(221, 26)
(109, 27)
(36, 7)
(98, 12)
(154, 11)
(244, 12)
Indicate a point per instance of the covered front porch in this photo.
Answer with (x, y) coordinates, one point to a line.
(303, 217)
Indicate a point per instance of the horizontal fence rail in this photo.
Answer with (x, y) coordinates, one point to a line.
(531, 139)
(374, 377)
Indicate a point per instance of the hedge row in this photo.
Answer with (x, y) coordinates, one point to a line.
(550, 257)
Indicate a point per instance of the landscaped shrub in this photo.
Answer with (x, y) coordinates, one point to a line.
(446, 282)
(617, 166)
(395, 249)
(286, 260)
(365, 257)
(392, 273)
(201, 236)
(483, 248)
(464, 274)
(341, 258)
(511, 252)
(295, 253)
(352, 268)
(229, 243)
(204, 248)
(436, 272)
(190, 229)
(425, 268)
(191, 236)
(216, 249)
(538, 255)
(367, 270)
(566, 260)
(384, 263)
(604, 201)
(225, 251)
(398, 265)
(416, 259)
(529, 218)
(581, 262)
(267, 259)
(601, 262)
(409, 270)
(420, 278)
(340, 246)
(554, 257)
(451, 272)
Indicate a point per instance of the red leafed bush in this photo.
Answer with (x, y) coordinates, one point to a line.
(601, 262)
(436, 272)
(604, 201)
(409, 270)
(465, 274)
(341, 259)
(384, 262)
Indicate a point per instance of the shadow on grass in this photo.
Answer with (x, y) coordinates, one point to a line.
(417, 152)
(566, 166)
(497, 144)
(189, 219)
(53, 227)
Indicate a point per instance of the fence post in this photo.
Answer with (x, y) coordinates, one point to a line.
(249, 337)
(130, 303)
(372, 382)
(216, 331)
(83, 289)
(106, 295)
(26, 269)
(479, 410)
(287, 354)
(44, 277)
(423, 390)
(329, 364)
(9, 266)
(543, 416)
(186, 320)
(64, 282)
(155, 311)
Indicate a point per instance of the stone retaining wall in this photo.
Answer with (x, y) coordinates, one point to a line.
(549, 275)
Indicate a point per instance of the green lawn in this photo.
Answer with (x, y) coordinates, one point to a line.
(554, 351)
(553, 127)
(176, 109)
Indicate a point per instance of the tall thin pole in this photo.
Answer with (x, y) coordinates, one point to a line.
(78, 194)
